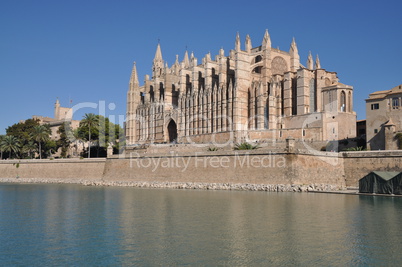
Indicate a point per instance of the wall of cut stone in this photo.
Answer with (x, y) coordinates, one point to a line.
(86, 169)
(223, 167)
(359, 164)
(231, 167)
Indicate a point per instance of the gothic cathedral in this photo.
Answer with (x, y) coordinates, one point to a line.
(256, 94)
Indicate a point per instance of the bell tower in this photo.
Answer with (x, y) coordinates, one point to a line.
(57, 109)
(133, 100)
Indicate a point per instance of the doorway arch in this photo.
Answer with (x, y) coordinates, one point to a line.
(172, 130)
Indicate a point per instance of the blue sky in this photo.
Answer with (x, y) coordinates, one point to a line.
(84, 50)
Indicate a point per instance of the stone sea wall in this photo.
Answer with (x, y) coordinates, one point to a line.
(214, 170)
(360, 163)
(230, 167)
(88, 169)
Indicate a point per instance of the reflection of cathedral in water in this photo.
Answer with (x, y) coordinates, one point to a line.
(258, 93)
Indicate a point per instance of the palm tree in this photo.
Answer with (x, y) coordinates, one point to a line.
(10, 144)
(90, 120)
(40, 134)
(29, 148)
(1, 149)
(77, 140)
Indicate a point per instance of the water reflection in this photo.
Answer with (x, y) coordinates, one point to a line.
(69, 224)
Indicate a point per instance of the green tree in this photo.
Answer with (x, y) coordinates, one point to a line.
(77, 139)
(64, 141)
(110, 133)
(29, 149)
(40, 134)
(120, 139)
(10, 144)
(102, 134)
(23, 130)
(90, 121)
(1, 150)
(50, 147)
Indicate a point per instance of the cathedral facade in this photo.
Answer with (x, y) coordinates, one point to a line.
(253, 94)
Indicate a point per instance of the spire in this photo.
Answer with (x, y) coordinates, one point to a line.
(317, 62)
(185, 60)
(248, 44)
(293, 48)
(294, 56)
(193, 60)
(177, 60)
(310, 61)
(158, 65)
(134, 78)
(57, 101)
(158, 53)
(221, 52)
(266, 42)
(208, 56)
(237, 44)
(175, 66)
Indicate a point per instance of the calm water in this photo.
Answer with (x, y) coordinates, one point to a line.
(71, 225)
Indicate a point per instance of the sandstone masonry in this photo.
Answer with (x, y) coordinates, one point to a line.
(254, 170)
(255, 93)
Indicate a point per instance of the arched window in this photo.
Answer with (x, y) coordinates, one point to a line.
(249, 108)
(294, 96)
(175, 96)
(201, 81)
(188, 84)
(343, 102)
(266, 114)
(257, 69)
(255, 109)
(161, 92)
(152, 94)
(258, 59)
(312, 96)
(350, 102)
(215, 78)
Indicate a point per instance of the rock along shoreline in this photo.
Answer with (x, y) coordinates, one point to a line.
(178, 185)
